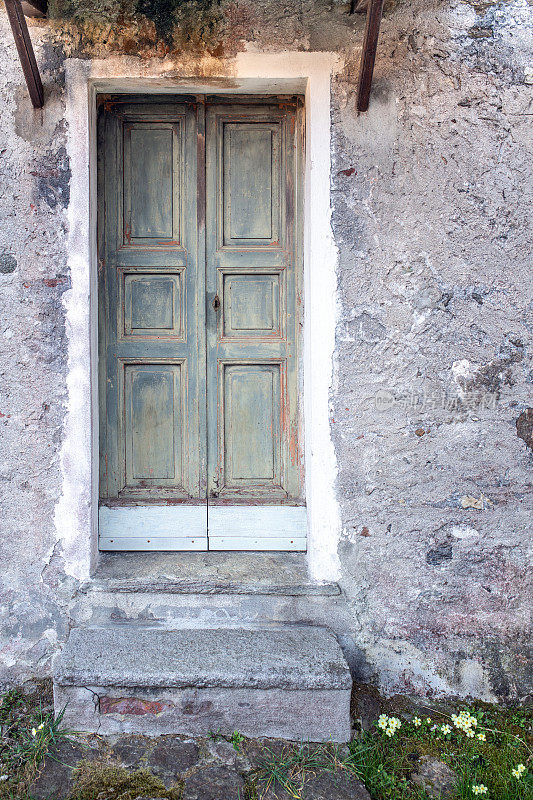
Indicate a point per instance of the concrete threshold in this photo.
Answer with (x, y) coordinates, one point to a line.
(282, 574)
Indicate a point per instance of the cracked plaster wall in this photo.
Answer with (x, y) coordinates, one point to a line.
(431, 210)
(431, 194)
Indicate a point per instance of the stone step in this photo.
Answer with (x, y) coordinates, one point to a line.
(102, 606)
(208, 590)
(207, 573)
(291, 682)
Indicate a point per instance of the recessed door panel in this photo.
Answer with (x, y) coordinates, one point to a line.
(250, 428)
(251, 304)
(153, 424)
(151, 181)
(152, 304)
(250, 192)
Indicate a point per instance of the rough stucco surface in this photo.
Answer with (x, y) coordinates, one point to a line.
(34, 193)
(431, 211)
(434, 350)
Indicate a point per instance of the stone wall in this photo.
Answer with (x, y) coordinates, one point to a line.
(431, 211)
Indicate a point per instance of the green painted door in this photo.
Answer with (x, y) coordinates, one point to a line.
(199, 320)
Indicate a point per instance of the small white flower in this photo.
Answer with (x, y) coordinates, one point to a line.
(4, 777)
(417, 722)
(465, 722)
(33, 732)
(40, 727)
(481, 737)
(446, 729)
(518, 771)
(479, 788)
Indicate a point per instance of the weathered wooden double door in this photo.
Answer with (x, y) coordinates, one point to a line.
(199, 298)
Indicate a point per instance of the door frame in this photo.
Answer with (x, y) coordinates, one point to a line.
(251, 73)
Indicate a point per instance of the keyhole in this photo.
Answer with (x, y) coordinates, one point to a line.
(216, 302)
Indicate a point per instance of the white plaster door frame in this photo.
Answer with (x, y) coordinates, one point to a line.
(250, 73)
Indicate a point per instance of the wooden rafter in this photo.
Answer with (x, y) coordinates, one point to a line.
(25, 51)
(368, 56)
(34, 8)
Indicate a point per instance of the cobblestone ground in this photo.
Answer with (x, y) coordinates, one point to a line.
(171, 767)
(209, 768)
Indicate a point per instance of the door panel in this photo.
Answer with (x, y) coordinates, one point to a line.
(251, 278)
(250, 190)
(154, 424)
(152, 353)
(250, 304)
(199, 270)
(151, 181)
(152, 527)
(250, 397)
(257, 527)
(152, 303)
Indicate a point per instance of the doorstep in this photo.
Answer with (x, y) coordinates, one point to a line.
(291, 682)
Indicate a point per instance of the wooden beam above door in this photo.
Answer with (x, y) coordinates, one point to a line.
(374, 10)
(34, 8)
(25, 49)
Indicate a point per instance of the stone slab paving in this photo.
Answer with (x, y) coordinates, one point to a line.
(214, 783)
(436, 778)
(327, 786)
(200, 769)
(55, 777)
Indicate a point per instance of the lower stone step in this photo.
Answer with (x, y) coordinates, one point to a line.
(291, 683)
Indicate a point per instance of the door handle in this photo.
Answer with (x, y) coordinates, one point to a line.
(216, 302)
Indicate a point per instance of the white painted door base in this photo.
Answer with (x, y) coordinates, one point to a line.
(184, 527)
(163, 527)
(257, 527)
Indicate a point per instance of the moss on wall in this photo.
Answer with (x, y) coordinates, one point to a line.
(199, 20)
(174, 22)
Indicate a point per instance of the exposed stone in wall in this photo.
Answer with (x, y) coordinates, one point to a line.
(524, 427)
(431, 408)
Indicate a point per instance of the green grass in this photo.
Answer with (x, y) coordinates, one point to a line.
(385, 764)
(28, 734)
(290, 768)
